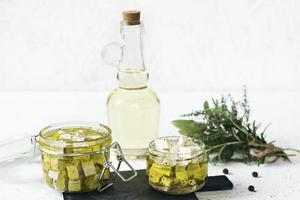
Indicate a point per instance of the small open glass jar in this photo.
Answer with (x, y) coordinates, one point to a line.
(76, 156)
(175, 169)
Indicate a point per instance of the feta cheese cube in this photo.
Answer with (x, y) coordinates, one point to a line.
(162, 169)
(57, 163)
(185, 141)
(60, 182)
(88, 168)
(74, 186)
(98, 158)
(72, 172)
(154, 175)
(46, 162)
(194, 170)
(106, 174)
(181, 173)
(92, 182)
(166, 181)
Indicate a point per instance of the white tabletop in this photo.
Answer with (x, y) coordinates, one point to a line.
(27, 113)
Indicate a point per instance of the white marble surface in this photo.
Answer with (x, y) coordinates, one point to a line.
(206, 44)
(28, 112)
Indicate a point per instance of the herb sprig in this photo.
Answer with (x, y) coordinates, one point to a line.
(225, 127)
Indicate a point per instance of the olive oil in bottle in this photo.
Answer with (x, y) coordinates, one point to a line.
(133, 108)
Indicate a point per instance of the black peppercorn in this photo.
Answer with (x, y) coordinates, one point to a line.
(225, 171)
(251, 188)
(255, 174)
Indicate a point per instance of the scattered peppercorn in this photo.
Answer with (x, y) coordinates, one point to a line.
(255, 174)
(225, 171)
(251, 188)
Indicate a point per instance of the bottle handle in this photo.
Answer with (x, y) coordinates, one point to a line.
(111, 53)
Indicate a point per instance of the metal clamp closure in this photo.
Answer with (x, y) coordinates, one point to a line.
(107, 165)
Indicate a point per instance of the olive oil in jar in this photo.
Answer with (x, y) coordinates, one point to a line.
(71, 158)
(177, 165)
(133, 108)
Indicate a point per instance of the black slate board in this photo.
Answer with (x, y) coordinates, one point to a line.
(139, 189)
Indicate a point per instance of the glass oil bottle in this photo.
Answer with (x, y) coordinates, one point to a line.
(133, 108)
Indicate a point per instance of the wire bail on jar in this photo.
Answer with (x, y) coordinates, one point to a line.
(107, 165)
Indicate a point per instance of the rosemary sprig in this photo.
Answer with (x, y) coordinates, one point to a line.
(225, 127)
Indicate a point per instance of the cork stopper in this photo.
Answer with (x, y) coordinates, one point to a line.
(132, 17)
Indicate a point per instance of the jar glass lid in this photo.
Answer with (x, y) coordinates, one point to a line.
(73, 133)
(176, 147)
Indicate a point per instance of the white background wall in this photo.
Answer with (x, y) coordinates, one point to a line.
(191, 45)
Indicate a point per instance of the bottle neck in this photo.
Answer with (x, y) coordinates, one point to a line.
(132, 72)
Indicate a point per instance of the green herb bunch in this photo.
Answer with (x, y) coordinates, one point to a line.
(225, 127)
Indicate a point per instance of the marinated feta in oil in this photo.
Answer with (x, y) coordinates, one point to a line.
(74, 173)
